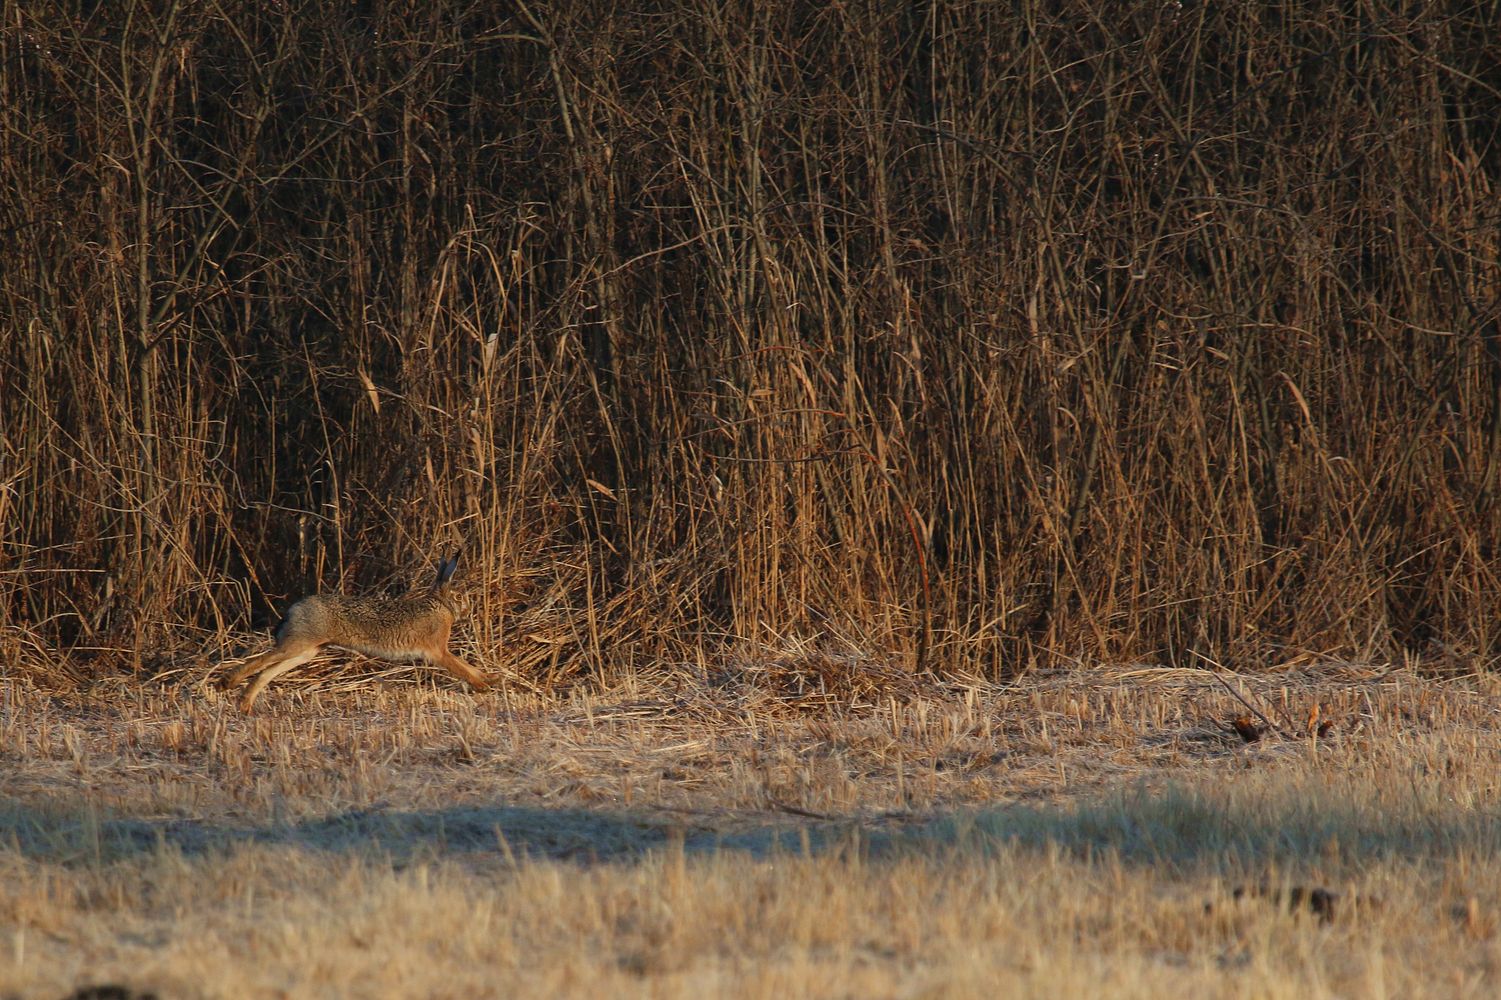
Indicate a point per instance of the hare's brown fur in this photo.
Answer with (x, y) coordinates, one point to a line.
(411, 628)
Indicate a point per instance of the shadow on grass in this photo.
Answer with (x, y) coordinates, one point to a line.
(1255, 822)
(61, 831)
(1261, 820)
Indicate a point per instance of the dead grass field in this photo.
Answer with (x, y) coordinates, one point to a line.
(988, 344)
(1078, 834)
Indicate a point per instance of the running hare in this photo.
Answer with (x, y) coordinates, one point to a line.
(408, 628)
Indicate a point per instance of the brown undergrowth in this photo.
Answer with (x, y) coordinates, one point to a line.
(987, 334)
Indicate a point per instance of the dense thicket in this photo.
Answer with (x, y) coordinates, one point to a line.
(973, 334)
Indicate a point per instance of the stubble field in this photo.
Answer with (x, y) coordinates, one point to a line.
(1087, 832)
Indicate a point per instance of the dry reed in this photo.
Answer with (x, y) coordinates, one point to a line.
(977, 336)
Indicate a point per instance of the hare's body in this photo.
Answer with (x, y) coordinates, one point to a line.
(399, 629)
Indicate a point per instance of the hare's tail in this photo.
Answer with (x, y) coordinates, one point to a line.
(445, 571)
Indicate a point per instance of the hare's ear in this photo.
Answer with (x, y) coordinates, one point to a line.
(445, 570)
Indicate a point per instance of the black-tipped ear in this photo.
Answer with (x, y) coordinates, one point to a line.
(446, 568)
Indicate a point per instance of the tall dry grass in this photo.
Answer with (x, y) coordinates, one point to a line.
(968, 333)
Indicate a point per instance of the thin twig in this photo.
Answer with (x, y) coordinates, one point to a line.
(1236, 694)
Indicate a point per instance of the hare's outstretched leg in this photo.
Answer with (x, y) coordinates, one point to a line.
(461, 670)
(274, 671)
(253, 665)
(271, 665)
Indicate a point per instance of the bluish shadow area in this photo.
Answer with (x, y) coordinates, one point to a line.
(1264, 822)
(60, 832)
(63, 832)
(1180, 827)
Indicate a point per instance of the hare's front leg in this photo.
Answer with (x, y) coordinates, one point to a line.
(271, 665)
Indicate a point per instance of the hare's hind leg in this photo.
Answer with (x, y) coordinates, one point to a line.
(272, 665)
(461, 670)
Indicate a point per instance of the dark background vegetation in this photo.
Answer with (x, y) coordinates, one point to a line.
(973, 335)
